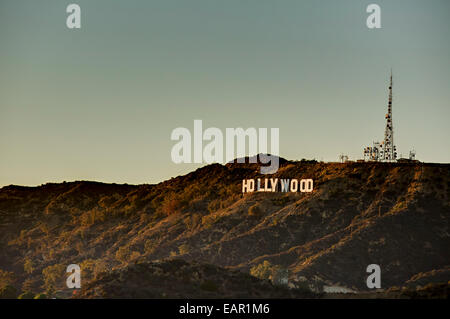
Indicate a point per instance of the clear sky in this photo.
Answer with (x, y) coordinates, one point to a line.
(100, 103)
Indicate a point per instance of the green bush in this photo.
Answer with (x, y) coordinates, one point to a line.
(254, 210)
(41, 296)
(8, 292)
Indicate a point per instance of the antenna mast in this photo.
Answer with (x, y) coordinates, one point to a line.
(386, 150)
(389, 152)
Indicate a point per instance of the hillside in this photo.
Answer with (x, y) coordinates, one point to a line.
(394, 215)
(180, 279)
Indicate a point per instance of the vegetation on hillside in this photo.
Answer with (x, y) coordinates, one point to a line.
(395, 215)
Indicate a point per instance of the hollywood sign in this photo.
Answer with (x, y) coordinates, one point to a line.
(275, 184)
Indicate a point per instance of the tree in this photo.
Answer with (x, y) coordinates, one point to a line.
(134, 255)
(100, 266)
(149, 246)
(184, 249)
(28, 266)
(28, 285)
(265, 270)
(50, 291)
(123, 253)
(7, 278)
(87, 267)
(54, 276)
(171, 205)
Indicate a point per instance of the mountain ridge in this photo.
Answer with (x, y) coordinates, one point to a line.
(395, 215)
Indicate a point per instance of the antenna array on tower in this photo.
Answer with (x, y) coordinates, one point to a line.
(386, 150)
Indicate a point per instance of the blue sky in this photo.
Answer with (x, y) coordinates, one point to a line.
(100, 103)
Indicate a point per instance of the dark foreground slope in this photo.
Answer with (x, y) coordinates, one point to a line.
(394, 215)
(180, 279)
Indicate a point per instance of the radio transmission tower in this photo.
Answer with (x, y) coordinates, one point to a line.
(384, 151)
(389, 152)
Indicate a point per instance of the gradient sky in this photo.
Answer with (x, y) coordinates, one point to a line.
(100, 103)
